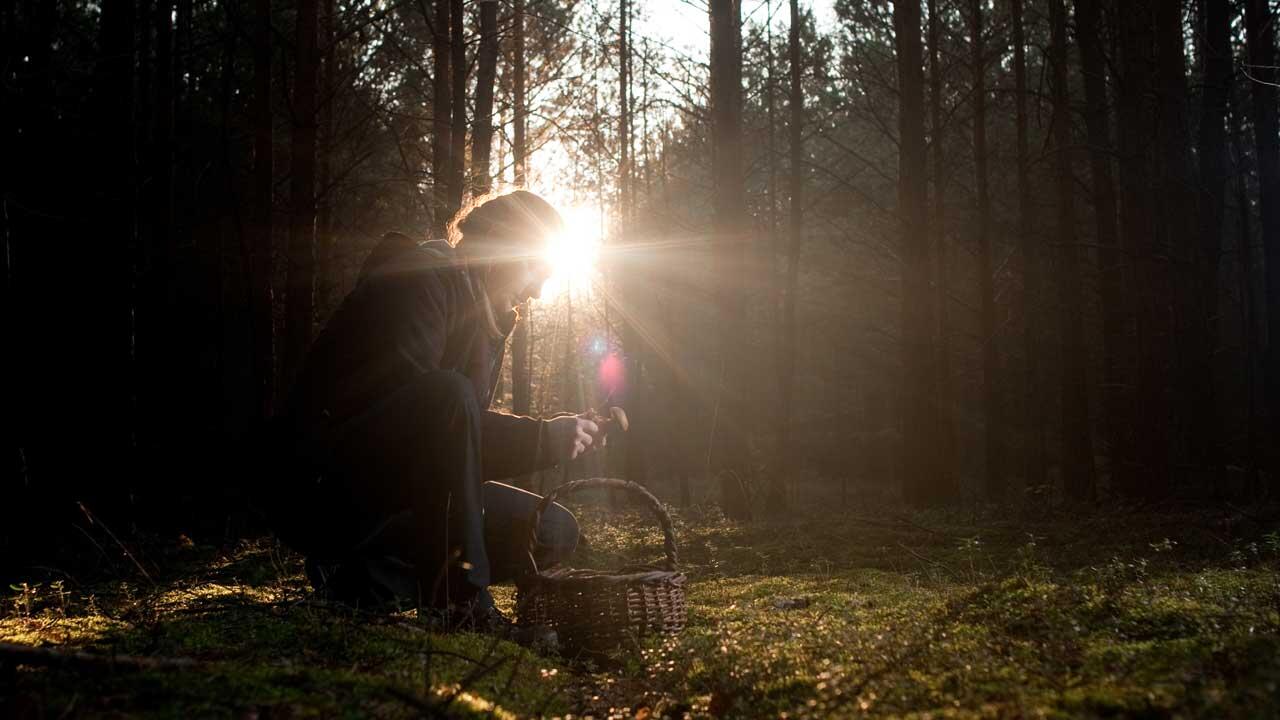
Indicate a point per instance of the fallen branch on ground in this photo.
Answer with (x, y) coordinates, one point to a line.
(20, 654)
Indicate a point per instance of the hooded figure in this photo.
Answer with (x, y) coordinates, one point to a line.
(390, 436)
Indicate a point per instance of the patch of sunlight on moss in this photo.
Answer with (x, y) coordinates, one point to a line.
(51, 629)
(472, 703)
(181, 598)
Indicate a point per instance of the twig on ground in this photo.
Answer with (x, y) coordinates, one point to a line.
(50, 657)
(925, 560)
(95, 521)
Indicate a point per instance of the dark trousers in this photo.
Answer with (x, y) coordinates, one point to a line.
(393, 503)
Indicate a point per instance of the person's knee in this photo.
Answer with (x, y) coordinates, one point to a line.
(558, 532)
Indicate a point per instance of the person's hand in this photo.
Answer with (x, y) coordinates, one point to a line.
(571, 435)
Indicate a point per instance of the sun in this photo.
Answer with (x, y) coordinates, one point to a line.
(573, 253)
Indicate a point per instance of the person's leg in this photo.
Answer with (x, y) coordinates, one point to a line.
(415, 457)
(507, 512)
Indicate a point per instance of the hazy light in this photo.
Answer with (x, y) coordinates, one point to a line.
(574, 252)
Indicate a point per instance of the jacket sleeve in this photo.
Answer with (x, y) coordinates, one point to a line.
(514, 445)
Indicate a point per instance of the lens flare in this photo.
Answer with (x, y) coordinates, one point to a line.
(573, 253)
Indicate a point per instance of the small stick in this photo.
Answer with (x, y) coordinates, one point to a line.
(95, 521)
(48, 657)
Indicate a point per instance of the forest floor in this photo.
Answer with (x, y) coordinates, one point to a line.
(830, 614)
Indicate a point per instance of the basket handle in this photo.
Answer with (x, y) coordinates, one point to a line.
(655, 505)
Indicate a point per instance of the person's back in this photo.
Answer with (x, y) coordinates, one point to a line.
(386, 419)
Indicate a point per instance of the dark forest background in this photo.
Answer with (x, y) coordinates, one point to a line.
(958, 252)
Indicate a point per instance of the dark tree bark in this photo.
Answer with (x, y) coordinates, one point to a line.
(301, 271)
(795, 240)
(635, 466)
(1034, 464)
(521, 355)
(260, 269)
(1248, 306)
(1077, 442)
(486, 74)
(1135, 113)
(1261, 36)
(1117, 354)
(1176, 240)
(1215, 48)
(458, 136)
(161, 180)
(729, 203)
(919, 410)
(519, 113)
(326, 281)
(946, 452)
(994, 486)
(441, 117)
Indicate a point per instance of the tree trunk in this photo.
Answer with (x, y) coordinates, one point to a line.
(458, 137)
(301, 275)
(521, 355)
(113, 282)
(1216, 50)
(1176, 240)
(1151, 430)
(795, 239)
(1248, 305)
(441, 118)
(946, 452)
(1034, 464)
(1077, 443)
(486, 74)
(261, 236)
(326, 280)
(518, 150)
(730, 234)
(635, 468)
(994, 487)
(921, 484)
(1117, 355)
(1261, 36)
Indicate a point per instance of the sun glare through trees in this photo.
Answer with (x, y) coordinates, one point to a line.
(574, 253)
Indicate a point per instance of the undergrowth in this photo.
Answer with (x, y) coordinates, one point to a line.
(824, 615)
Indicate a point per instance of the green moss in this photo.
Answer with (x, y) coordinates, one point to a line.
(822, 616)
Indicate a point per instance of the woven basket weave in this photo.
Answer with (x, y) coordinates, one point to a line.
(596, 611)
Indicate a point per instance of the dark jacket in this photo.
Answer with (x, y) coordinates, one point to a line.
(416, 308)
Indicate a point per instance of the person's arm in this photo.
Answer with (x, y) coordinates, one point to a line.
(515, 445)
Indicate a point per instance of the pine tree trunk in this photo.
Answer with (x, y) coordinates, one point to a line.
(994, 487)
(1117, 354)
(458, 136)
(518, 149)
(1034, 463)
(1151, 430)
(1216, 50)
(729, 203)
(521, 348)
(1261, 37)
(946, 451)
(441, 117)
(300, 280)
(1077, 443)
(921, 484)
(636, 467)
(486, 74)
(1176, 240)
(260, 267)
(795, 239)
(324, 235)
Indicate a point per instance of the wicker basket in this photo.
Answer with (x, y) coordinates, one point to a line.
(596, 611)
